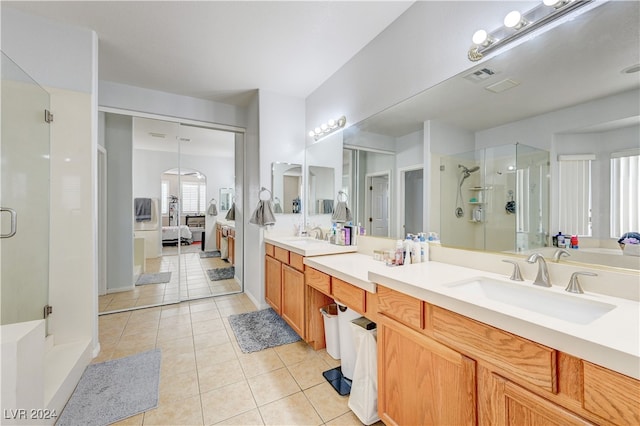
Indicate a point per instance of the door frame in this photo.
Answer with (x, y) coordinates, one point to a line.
(102, 220)
(367, 199)
(400, 205)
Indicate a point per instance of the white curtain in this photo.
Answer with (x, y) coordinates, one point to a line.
(575, 194)
(625, 197)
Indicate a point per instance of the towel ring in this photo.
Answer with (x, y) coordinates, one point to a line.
(213, 201)
(262, 190)
(346, 197)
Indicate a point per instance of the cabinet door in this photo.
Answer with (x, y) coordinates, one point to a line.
(422, 382)
(232, 250)
(505, 403)
(273, 286)
(293, 298)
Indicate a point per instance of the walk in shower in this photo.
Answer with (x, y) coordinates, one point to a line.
(24, 197)
(495, 198)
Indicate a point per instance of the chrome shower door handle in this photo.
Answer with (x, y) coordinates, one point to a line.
(14, 222)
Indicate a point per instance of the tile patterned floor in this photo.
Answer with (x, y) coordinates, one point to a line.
(193, 279)
(206, 379)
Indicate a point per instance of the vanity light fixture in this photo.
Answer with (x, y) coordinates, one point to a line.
(517, 24)
(325, 129)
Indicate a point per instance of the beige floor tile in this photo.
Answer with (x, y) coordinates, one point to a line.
(173, 310)
(143, 337)
(175, 332)
(294, 353)
(215, 354)
(292, 410)
(308, 373)
(173, 364)
(199, 292)
(121, 304)
(203, 305)
(130, 421)
(214, 338)
(183, 319)
(348, 419)
(327, 402)
(121, 351)
(186, 411)
(333, 363)
(216, 375)
(209, 326)
(178, 386)
(271, 386)
(260, 362)
(205, 315)
(177, 346)
(235, 310)
(226, 402)
(250, 418)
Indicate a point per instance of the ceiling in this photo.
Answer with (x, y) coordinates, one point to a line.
(580, 60)
(223, 50)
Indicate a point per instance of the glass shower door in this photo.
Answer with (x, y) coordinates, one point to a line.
(24, 197)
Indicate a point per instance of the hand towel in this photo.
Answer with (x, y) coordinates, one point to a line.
(277, 208)
(213, 209)
(142, 208)
(263, 214)
(231, 214)
(341, 214)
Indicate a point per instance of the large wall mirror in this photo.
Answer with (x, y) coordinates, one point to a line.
(323, 169)
(574, 93)
(286, 184)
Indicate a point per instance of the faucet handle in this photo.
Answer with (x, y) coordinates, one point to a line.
(574, 284)
(515, 275)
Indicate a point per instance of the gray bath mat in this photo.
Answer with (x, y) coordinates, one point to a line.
(114, 390)
(261, 330)
(221, 273)
(159, 278)
(205, 254)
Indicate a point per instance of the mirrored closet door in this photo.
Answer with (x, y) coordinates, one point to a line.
(184, 244)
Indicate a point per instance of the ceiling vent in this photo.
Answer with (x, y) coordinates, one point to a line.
(503, 85)
(480, 75)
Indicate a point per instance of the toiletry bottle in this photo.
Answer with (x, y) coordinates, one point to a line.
(574, 241)
(424, 249)
(415, 250)
(399, 258)
(406, 246)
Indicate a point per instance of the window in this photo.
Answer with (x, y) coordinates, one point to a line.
(165, 197)
(575, 194)
(625, 200)
(193, 197)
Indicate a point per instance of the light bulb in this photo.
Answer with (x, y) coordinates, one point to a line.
(311, 133)
(554, 3)
(324, 127)
(317, 130)
(332, 123)
(481, 37)
(514, 20)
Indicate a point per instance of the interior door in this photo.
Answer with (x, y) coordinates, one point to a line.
(24, 197)
(379, 206)
(413, 201)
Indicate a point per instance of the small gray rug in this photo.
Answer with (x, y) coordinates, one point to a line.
(114, 390)
(205, 254)
(261, 330)
(159, 278)
(221, 273)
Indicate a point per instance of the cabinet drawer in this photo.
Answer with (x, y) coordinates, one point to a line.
(406, 309)
(281, 254)
(318, 280)
(350, 295)
(523, 358)
(296, 261)
(611, 395)
(268, 249)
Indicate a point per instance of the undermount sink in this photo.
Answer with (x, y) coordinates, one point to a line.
(567, 307)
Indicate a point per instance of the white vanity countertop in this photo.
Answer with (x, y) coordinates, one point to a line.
(612, 340)
(306, 246)
(229, 223)
(353, 268)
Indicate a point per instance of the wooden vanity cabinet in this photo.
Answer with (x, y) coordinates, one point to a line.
(422, 382)
(231, 244)
(284, 286)
(273, 282)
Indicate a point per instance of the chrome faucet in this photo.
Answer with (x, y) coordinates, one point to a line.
(559, 253)
(542, 279)
(515, 275)
(319, 233)
(574, 284)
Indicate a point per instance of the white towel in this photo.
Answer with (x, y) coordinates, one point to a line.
(213, 209)
(231, 214)
(341, 214)
(263, 214)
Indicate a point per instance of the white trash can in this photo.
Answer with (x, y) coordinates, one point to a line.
(331, 332)
(347, 345)
(363, 400)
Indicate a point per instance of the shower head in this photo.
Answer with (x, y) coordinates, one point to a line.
(466, 171)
